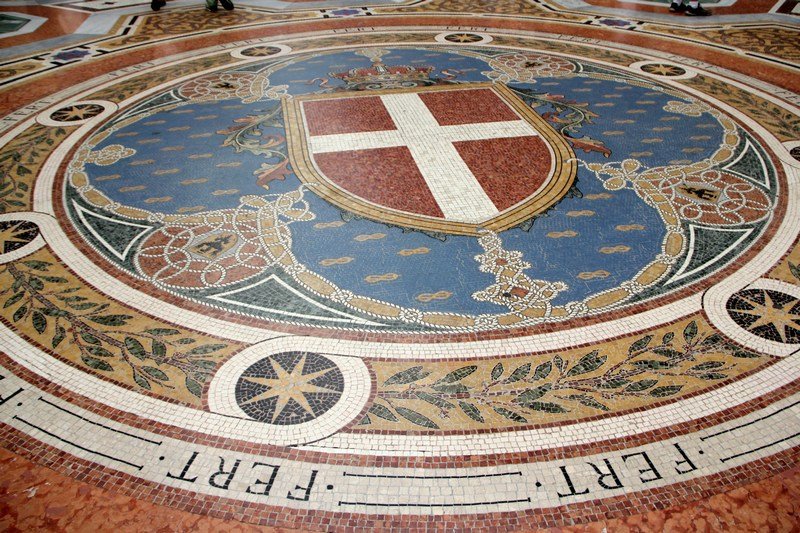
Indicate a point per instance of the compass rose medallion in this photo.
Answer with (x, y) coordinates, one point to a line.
(289, 388)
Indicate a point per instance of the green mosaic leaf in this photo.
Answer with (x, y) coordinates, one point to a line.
(39, 322)
(135, 348)
(455, 388)
(19, 313)
(206, 365)
(97, 364)
(690, 331)
(744, 354)
(614, 383)
(588, 363)
(185, 340)
(36, 284)
(365, 421)
(111, 320)
(528, 396)
(70, 290)
(651, 364)
(36, 265)
(434, 400)
(641, 344)
(458, 374)
(416, 418)
(667, 352)
(159, 348)
(661, 392)
(546, 407)
(519, 373)
(542, 371)
(99, 351)
(497, 371)
(667, 338)
(155, 373)
(712, 340)
(382, 412)
(795, 270)
(639, 386)
(560, 363)
(471, 411)
(205, 348)
(588, 401)
(14, 299)
(141, 381)
(708, 366)
(54, 312)
(54, 279)
(90, 339)
(59, 336)
(194, 387)
(162, 332)
(511, 415)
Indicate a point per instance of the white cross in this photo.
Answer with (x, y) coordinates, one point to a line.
(453, 185)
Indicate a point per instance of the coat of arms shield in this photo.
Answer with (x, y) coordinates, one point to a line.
(447, 159)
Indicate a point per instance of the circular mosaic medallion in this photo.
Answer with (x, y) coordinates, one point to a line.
(393, 278)
(463, 38)
(15, 234)
(260, 51)
(662, 69)
(289, 388)
(770, 314)
(76, 113)
(319, 162)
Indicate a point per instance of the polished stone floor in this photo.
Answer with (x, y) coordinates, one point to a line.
(399, 265)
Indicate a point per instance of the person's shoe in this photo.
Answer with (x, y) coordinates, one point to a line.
(675, 7)
(697, 11)
(227, 5)
(211, 7)
(155, 5)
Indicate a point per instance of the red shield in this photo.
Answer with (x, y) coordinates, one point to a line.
(446, 158)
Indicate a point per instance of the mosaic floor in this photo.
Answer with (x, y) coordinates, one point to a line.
(434, 264)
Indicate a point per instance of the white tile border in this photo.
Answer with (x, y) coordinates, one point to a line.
(517, 486)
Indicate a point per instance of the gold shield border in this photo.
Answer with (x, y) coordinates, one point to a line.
(562, 178)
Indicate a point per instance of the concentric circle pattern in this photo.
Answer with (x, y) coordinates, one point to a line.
(437, 265)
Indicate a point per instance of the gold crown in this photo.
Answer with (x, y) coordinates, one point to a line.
(382, 74)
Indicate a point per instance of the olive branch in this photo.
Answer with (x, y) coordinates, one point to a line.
(52, 307)
(557, 386)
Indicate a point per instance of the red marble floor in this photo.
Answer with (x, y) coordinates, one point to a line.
(411, 265)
